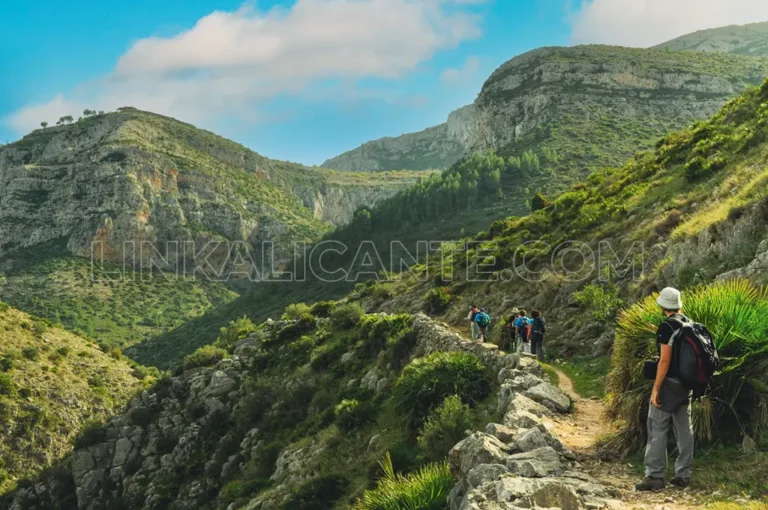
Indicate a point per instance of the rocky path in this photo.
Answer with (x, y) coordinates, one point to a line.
(581, 432)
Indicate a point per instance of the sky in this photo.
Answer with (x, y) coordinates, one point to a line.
(302, 80)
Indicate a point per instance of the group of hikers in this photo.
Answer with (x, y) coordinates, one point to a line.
(685, 363)
(521, 333)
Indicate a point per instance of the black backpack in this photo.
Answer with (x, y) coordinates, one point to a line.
(696, 358)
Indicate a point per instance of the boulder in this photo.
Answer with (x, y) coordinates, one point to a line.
(501, 432)
(550, 397)
(520, 402)
(536, 463)
(479, 448)
(521, 420)
(485, 473)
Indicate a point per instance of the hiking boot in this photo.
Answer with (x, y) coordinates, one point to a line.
(681, 482)
(650, 484)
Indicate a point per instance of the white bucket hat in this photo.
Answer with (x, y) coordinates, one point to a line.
(670, 299)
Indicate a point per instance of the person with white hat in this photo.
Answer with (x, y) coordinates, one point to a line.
(670, 404)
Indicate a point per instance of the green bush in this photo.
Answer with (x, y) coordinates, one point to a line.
(242, 489)
(327, 354)
(236, 331)
(426, 489)
(7, 386)
(347, 316)
(436, 301)
(303, 324)
(205, 357)
(378, 330)
(351, 414)
(7, 361)
(92, 433)
(318, 494)
(445, 426)
(602, 301)
(295, 310)
(427, 382)
(300, 350)
(736, 312)
(30, 352)
(323, 308)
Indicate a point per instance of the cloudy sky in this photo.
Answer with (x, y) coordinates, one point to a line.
(306, 79)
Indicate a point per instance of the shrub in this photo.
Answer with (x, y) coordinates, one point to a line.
(539, 202)
(63, 351)
(347, 316)
(30, 352)
(351, 414)
(318, 494)
(445, 426)
(602, 301)
(141, 416)
(40, 327)
(242, 489)
(436, 301)
(736, 313)
(378, 330)
(426, 489)
(426, 382)
(204, 357)
(7, 386)
(303, 324)
(236, 331)
(323, 308)
(93, 433)
(296, 310)
(300, 350)
(7, 361)
(326, 355)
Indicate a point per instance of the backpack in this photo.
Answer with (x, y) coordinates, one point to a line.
(483, 319)
(539, 326)
(696, 358)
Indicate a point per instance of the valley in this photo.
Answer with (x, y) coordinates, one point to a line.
(580, 182)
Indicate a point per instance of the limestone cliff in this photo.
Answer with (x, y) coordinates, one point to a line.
(132, 176)
(435, 147)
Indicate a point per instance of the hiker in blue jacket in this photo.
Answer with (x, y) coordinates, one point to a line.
(483, 320)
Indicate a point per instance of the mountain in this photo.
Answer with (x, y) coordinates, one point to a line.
(51, 383)
(556, 103)
(435, 147)
(90, 210)
(693, 203)
(749, 40)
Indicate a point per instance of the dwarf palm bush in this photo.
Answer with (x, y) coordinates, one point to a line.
(736, 312)
(426, 489)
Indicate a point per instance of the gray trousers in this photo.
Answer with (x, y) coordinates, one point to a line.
(656, 449)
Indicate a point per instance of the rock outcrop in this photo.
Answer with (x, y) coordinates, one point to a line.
(751, 39)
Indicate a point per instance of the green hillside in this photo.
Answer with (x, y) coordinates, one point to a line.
(51, 383)
(707, 180)
(127, 178)
(749, 40)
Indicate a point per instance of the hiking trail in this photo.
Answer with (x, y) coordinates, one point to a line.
(581, 432)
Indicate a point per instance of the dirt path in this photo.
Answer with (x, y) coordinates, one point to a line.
(581, 432)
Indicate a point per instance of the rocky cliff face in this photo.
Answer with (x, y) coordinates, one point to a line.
(135, 177)
(175, 446)
(433, 148)
(751, 39)
(594, 85)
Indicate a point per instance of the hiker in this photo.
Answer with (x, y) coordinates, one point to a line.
(473, 311)
(539, 329)
(483, 320)
(521, 330)
(670, 402)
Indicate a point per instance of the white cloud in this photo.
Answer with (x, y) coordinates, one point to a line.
(231, 63)
(453, 75)
(644, 23)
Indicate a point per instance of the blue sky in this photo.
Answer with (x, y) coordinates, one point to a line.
(305, 79)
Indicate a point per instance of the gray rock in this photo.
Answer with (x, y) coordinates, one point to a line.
(521, 403)
(476, 449)
(550, 397)
(501, 432)
(521, 419)
(485, 473)
(220, 384)
(536, 463)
